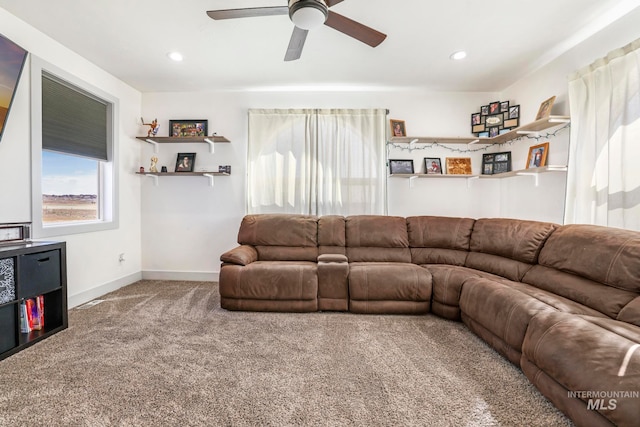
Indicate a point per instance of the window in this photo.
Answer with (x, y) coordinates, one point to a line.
(318, 162)
(74, 179)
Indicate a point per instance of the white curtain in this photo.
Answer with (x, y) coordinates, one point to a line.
(603, 185)
(319, 162)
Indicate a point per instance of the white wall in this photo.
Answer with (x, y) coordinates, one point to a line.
(92, 258)
(187, 225)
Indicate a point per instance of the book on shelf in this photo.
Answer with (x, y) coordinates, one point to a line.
(32, 314)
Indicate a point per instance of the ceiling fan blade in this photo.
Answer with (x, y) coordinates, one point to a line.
(296, 44)
(355, 29)
(333, 2)
(248, 12)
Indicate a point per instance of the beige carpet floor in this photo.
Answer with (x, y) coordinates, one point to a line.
(164, 353)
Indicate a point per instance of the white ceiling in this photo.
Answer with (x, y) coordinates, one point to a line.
(505, 40)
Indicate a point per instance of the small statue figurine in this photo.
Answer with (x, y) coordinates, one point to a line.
(153, 127)
(153, 167)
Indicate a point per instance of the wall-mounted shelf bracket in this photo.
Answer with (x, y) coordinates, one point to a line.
(210, 176)
(155, 144)
(535, 175)
(210, 142)
(155, 179)
(529, 132)
(470, 179)
(412, 180)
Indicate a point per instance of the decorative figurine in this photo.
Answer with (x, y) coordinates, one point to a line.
(141, 169)
(153, 168)
(163, 169)
(153, 127)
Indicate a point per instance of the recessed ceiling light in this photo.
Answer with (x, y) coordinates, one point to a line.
(461, 54)
(176, 56)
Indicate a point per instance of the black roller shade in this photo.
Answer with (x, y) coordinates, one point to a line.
(72, 121)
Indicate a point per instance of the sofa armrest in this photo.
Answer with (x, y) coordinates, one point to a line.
(333, 285)
(241, 255)
(332, 258)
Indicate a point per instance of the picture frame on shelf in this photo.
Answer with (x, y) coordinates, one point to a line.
(538, 155)
(432, 166)
(185, 162)
(514, 112)
(494, 107)
(398, 128)
(511, 123)
(459, 165)
(478, 128)
(494, 120)
(545, 108)
(504, 106)
(401, 166)
(178, 128)
(495, 163)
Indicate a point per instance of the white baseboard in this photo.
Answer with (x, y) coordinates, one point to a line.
(196, 276)
(86, 296)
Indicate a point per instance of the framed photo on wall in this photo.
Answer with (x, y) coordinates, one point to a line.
(400, 167)
(432, 166)
(459, 165)
(188, 128)
(494, 163)
(398, 128)
(185, 162)
(538, 155)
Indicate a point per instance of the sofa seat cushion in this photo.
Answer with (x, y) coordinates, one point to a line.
(380, 283)
(447, 285)
(583, 353)
(501, 309)
(270, 280)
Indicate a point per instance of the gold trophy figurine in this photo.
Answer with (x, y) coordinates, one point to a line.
(154, 161)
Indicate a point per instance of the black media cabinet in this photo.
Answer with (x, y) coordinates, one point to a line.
(34, 268)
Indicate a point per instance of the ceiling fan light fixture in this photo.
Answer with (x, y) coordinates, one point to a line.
(308, 14)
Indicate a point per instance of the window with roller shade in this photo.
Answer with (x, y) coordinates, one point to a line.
(73, 140)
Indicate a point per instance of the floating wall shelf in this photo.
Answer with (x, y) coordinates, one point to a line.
(529, 129)
(524, 172)
(156, 175)
(155, 140)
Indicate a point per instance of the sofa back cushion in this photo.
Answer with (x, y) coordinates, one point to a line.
(281, 237)
(373, 238)
(607, 255)
(507, 247)
(331, 235)
(439, 240)
(604, 256)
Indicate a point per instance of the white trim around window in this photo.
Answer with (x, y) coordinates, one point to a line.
(108, 185)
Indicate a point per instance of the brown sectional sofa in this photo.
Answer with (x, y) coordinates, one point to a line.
(560, 302)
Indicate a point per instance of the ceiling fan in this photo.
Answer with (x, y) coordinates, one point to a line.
(307, 15)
